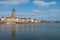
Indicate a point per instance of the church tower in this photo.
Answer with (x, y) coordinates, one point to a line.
(13, 13)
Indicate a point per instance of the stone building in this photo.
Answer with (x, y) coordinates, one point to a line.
(12, 18)
(25, 20)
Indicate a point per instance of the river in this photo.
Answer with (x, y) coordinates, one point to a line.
(38, 31)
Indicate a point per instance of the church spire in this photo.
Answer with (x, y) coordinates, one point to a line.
(13, 13)
(13, 10)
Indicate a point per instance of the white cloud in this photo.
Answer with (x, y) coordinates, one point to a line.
(36, 11)
(43, 3)
(47, 11)
(17, 14)
(54, 11)
(5, 13)
(13, 2)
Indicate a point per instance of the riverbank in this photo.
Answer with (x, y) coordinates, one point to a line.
(18, 22)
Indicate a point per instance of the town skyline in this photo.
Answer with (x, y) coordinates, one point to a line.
(39, 9)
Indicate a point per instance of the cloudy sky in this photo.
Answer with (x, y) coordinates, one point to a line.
(39, 9)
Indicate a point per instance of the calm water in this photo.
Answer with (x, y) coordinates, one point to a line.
(39, 31)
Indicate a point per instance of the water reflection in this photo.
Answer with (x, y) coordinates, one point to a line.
(19, 28)
(13, 31)
(27, 28)
(29, 31)
(8, 30)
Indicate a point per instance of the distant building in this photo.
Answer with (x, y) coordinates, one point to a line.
(10, 18)
(25, 20)
(13, 18)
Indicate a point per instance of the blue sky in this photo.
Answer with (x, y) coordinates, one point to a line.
(39, 9)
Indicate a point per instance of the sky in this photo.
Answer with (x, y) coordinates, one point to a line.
(38, 9)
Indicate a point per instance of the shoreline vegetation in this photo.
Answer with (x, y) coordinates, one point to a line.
(51, 21)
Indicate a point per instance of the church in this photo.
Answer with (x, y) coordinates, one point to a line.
(11, 18)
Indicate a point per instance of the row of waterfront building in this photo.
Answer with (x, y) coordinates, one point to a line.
(13, 18)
